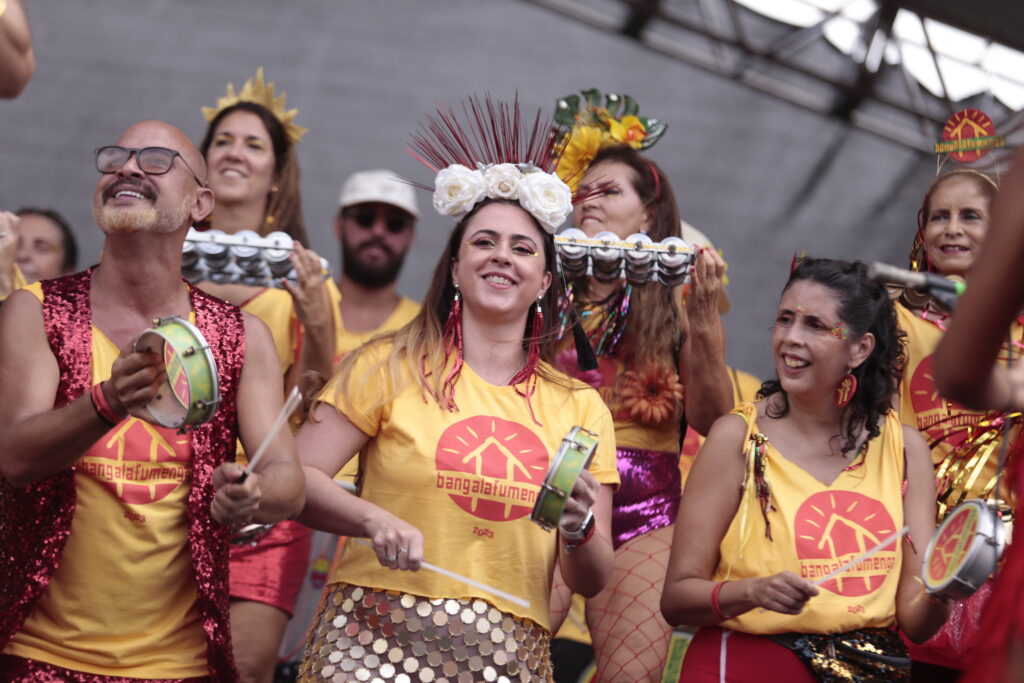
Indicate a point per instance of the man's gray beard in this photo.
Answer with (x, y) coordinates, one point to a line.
(129, 219)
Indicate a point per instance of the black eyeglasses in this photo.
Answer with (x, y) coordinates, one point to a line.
(151, 160)
(396, 224)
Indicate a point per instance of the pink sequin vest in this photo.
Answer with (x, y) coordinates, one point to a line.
(35, 521)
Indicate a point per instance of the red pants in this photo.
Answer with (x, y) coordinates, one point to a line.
(746, 658)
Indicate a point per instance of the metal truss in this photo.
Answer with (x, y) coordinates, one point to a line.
(729, 40)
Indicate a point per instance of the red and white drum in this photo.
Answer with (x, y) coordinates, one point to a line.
(964, 551)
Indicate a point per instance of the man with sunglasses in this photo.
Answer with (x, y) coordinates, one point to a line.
(376, 225)
(115, 529)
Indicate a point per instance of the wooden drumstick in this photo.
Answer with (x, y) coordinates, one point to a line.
(465, 579)
(287, 409)
(863, 556)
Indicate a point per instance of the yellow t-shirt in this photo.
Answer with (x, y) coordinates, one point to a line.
(346, 340)
(816, 529)
(122, 601)
(944, 424)
(467, 480)
(275, 308)
(744, 390)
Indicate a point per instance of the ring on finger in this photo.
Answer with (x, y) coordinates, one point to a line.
(403, 550)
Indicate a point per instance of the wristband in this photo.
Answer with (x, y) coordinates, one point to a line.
(715, 607)
(102, 408)
(574, 539)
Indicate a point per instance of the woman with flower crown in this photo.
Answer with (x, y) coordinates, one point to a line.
(254, 173)
(457, 418)
(659, 367)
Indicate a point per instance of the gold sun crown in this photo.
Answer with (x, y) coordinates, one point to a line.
(259, 92)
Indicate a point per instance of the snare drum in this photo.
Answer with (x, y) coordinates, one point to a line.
(190, 394)
(964, 551)
(573, 457)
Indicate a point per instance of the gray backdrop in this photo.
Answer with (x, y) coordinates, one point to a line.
(760, 177)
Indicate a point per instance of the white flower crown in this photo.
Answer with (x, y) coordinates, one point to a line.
(457, 189)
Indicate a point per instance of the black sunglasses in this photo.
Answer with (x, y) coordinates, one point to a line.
(151, 160)
(396, 224)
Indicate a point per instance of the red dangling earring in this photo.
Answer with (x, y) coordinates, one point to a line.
(845, 391)
(452, 338)
(527, 373)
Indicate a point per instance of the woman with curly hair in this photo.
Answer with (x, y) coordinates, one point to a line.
(788, 490)
(646, 344)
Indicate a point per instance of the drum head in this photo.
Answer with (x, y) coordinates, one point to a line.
(170, 406)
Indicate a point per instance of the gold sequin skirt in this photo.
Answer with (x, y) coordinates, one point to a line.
(360, 634)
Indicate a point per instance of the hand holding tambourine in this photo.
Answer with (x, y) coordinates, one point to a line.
(568, 492)
(181, 388)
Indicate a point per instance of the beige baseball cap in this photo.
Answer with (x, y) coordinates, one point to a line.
(692, 235)
(379, 185)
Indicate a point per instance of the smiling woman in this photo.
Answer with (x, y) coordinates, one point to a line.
(249, 147)
(952, 225)
(805, 480)
(457, 418)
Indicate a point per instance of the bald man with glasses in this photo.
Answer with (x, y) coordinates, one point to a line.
(115, 534)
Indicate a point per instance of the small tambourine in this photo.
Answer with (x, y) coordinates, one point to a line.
(241, 258)
(573, 457)
(637, 258)
(964, 551)
(190, 393)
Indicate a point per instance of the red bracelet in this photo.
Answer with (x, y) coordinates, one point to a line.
(103, 409)
(715, 607)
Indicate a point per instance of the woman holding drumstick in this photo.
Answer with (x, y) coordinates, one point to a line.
(790, 488)
(456, 418)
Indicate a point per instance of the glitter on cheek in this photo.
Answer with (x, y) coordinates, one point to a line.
(840, 331)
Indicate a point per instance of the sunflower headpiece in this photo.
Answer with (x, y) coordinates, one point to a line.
(593, 121)
(257, 91)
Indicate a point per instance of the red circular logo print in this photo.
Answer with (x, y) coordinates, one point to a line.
(833, 527)
(490, 467)
(139, 462)
(965, 125)
(939, 419)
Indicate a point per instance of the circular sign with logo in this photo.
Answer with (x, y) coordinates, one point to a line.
(490, 467)
(968, 136)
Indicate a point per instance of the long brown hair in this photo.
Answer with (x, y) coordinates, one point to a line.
(284, 207)
(420, 344)
(653, 308)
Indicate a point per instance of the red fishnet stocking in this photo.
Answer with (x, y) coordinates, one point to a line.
(630, 636)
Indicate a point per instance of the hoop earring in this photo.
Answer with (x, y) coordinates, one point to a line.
(845, 391)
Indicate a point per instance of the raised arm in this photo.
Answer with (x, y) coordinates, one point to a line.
(702, 365)
(710, 502)
(918, 616)
(965, 368)
(314, 310)
(275, 491)
(17, 59)
(326, 442)
(40, 441)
